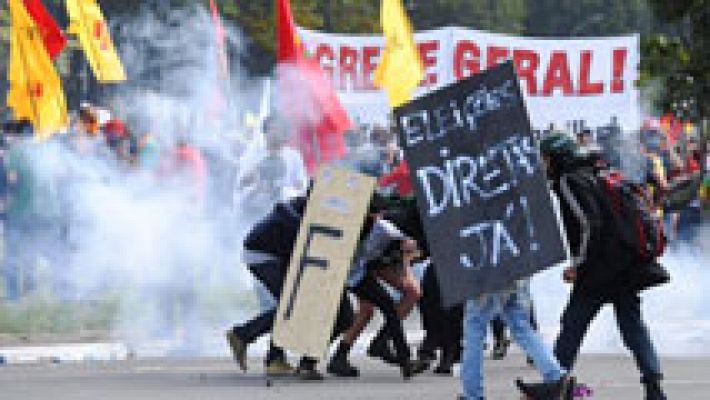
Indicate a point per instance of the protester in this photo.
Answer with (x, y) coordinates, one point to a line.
(442, 326)
(268, 249)
(32, 215)
(277, 174)
(383, 246)
(602, 272)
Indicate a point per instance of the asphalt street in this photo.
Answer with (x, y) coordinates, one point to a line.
(611, 377)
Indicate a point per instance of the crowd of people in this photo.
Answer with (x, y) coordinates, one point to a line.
(268, 188)
(38, 215)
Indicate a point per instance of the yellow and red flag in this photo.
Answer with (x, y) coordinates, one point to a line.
(35, 92)
(52, 36)
(400, 69)
(87, 22)
(307, 96)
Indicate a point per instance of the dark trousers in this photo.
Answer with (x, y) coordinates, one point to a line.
(369, 289)
(581, 310)
(443, 327)
(273, 274)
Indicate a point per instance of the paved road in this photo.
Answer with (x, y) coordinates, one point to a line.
(613, 377)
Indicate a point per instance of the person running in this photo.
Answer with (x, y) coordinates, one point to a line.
(602, 273)
(268, 249)
(382, 246)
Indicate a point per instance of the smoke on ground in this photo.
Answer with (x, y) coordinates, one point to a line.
(678, 313)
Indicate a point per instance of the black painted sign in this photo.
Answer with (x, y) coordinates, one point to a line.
(480, 185)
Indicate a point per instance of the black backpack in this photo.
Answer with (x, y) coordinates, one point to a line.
(636, 225)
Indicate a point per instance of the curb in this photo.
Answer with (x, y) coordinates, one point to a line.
(61, 353)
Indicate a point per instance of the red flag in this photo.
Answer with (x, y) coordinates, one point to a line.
(52, 37)
(219, 38)
(307, 97)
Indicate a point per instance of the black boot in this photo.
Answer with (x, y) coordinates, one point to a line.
(500, 349)
(380, 348)
(307, 370)
(425, 356)
(427, 350)
(446, 364)
(560, 390)
(407, 369)
(653, 389)
(339, 364)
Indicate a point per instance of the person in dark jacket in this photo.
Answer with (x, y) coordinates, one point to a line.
(602, 273)
(268, 248)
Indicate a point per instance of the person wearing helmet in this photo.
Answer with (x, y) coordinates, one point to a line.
(599, 274)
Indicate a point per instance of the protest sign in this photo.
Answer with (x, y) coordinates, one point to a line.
(321, 261)
(480, 184)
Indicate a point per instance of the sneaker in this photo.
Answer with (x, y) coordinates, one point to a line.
(308, 374)
(407, 370)
(278, 368)
(420, 366)
(238, 348)
(380, 349)
(341, 367)
(444, 368)
(500, 350)
(560, 390)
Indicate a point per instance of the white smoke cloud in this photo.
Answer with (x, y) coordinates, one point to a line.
(678, 314)
(169, 258)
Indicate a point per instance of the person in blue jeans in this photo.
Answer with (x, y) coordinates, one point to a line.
(512, 306)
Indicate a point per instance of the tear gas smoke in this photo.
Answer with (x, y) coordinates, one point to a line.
(167, 249)
(678, 314)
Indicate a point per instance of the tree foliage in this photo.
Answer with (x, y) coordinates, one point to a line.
(587, 17)
(678, 56)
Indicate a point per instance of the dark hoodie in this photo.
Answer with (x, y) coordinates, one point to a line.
(601, 268)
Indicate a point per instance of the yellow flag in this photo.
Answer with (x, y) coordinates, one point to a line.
(87, 22)
(35, 90)
(400, 69)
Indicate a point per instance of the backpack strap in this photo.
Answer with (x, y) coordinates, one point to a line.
(578, 212)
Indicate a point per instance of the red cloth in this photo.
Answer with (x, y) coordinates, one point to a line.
(53, 37)
(671, 127)
(115, 128)
(307, 97)
(691, 165)
(399, 176)
(190, 165)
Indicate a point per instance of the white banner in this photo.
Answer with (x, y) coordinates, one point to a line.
(567, 82)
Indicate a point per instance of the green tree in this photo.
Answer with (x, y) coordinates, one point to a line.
(504, 16)
(678, 57)
(587, 17)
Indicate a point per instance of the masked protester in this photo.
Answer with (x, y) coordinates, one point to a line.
(268, 249)
(601, 272)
